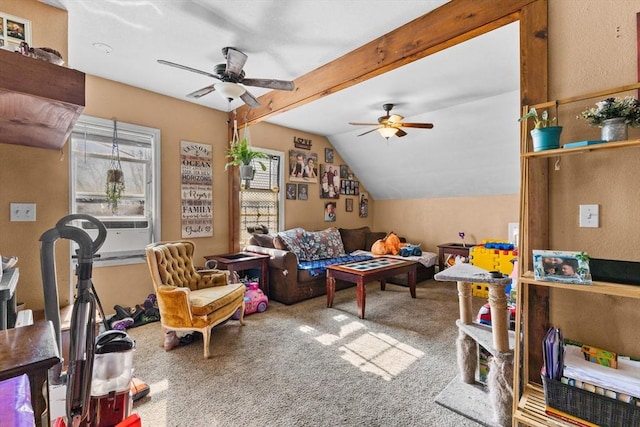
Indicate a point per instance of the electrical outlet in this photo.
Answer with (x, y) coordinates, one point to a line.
(23, 212)
(589, 215)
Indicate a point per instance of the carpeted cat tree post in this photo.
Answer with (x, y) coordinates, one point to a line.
(500, 377)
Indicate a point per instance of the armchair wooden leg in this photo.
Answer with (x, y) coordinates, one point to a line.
(242, 314)
(206, 337)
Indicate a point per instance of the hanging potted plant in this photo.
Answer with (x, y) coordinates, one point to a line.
(240, 154)
(545, 136)
(115, 176)
(614, 115)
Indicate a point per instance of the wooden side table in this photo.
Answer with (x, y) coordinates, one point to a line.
(30, 350)
(245, 261)
(453, 249)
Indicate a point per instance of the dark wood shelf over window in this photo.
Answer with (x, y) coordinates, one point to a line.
(40, 102)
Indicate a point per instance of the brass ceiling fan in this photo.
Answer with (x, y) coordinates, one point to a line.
(231, 79)
(391, 124)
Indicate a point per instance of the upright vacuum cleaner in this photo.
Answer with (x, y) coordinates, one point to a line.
(99, 371)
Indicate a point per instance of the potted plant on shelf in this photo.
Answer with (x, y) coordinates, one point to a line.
(240, 154)
(614, 115)
(545, 136)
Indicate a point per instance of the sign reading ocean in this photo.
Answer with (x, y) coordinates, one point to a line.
(372, 264)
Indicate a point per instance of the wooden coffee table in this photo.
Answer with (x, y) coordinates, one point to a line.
(363, 272)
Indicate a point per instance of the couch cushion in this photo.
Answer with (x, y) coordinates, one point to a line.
(319, 267)
(354, 238)
(324, 244)
(264, 240)
(372, 237)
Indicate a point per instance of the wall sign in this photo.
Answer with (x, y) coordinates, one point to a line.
(302, 143)
(197, 189)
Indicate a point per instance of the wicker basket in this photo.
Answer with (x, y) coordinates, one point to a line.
(592, 407)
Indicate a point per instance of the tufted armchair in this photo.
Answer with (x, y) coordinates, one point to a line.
(191, 300)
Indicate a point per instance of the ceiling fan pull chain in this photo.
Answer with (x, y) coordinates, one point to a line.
(235, 137)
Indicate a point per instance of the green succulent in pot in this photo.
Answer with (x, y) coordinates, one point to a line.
(545, 136)
(114, 188)
(539, 122)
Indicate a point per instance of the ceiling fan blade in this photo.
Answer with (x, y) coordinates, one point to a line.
(363, 124)
(400, 133)
(369, 131)
(184, 67)
(235, 61)
(270, 83)
(201, 92)
(417, 125)
(250, 100)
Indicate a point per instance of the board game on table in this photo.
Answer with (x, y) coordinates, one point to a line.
(363, 272)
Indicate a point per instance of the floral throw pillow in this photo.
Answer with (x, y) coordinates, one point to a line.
(296, 241)
(324, 244)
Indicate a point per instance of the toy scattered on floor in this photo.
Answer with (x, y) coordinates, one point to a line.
(254, 299)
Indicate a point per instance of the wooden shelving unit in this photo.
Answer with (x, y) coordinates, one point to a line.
(40, 102)
(534, 296)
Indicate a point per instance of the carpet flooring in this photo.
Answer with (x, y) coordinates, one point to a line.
(309, 365)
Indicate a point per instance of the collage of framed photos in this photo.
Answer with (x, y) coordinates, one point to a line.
(333, 180)
(13, 31)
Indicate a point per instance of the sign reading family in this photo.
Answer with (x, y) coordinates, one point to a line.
(197, 189)
(302, 143)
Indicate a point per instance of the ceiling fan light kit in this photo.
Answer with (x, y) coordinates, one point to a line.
(231, 75)
(230, 91)
(387, 132)
(391, 124)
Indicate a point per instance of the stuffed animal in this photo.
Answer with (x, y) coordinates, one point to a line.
(390, 244)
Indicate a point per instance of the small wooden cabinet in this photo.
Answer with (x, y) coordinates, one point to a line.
(535, 297)
(40, 102)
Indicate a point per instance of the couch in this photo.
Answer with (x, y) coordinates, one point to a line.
(298, 259)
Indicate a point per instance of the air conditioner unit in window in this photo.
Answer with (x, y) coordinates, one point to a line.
(125, 237)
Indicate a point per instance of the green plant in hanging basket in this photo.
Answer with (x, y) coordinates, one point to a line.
(114, 188)
(240, 153)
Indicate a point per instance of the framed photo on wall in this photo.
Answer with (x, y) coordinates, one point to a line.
(328, 155)
(363, 205)
(291, 191)
(329, 182)
(13, 31)
(303, 192)
(303, 166)
(348, 206)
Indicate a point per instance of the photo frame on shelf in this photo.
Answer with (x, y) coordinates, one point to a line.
(13, 31)
(561, 267)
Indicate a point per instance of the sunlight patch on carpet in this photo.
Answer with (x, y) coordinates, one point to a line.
(380, 354)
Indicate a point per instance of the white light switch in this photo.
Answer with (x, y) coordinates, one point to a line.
(23, 212)
(589, 216)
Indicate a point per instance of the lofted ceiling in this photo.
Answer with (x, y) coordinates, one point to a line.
(469, 91)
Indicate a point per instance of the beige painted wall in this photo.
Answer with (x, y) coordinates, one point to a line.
(431, 222)
(592, 46)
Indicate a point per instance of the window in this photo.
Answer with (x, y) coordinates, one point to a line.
(136, 222)
(261, 201)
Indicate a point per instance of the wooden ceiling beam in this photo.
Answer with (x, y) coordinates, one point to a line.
(450, 24)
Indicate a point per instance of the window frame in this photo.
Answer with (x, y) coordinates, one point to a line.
(153, 201)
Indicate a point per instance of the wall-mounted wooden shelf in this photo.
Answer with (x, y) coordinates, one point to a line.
(40, 102)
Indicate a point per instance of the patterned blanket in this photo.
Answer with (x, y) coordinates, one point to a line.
(319, 267)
